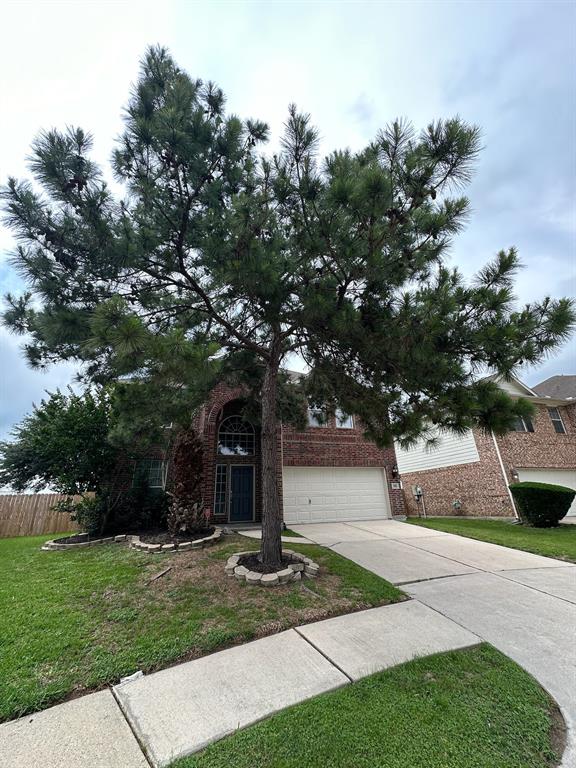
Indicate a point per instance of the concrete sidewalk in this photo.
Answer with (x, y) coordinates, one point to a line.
(180, 710)
(523, 604)
(465, 591)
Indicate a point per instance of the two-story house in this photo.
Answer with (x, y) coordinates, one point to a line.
(328, 472)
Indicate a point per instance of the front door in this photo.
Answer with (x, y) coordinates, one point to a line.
(241, 494)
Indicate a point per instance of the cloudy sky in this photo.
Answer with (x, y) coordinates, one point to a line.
(508, 66)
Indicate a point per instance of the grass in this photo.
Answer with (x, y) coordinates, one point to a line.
(74, 621)
(291, 534)
(557, 542)
(472, 708)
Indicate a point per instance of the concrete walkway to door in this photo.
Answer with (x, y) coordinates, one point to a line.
(523, 604)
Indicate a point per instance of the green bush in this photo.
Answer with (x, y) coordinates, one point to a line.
(89, 513)
(542, 505)
(129, 511)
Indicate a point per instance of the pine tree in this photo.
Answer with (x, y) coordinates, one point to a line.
(220, 261)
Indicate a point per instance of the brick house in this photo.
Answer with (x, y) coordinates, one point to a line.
(469, 474)
(328, 472)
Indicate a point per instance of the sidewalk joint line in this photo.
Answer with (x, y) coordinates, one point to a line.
(437, 578)
(453, 620)
(328, 659)
(132, 731)
(450, 559)
(531, 586)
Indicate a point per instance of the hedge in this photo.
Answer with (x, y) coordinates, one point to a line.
(542, 505)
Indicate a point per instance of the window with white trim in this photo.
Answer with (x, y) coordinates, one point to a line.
(152, 471)
(343, 420)
(236, 437)
(220, 490)
(556, 420)
(317, 416)
(523, 424)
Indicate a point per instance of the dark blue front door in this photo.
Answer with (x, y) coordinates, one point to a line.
(241, 494)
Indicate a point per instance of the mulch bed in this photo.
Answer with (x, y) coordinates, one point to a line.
(253, 564)
(163, 537)
(78, 538)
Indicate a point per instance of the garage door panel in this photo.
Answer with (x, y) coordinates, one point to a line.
(331, 494)
(566, 477)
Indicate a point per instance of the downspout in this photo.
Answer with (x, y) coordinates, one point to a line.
(504, 474)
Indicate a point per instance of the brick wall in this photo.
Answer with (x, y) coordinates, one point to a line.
(478, 486)
(544, 447)
(123, 477)
(322, 446)
(206, 424)
(329, 446)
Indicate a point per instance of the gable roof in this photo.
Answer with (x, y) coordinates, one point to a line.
(512, 385)
(561, 387)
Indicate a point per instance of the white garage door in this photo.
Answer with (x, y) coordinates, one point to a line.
(332, 494)
(565, 477)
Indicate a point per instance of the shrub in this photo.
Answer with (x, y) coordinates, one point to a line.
(113, 512)
(89, 512)
(186, 513)
(143, 507)
(541, 504)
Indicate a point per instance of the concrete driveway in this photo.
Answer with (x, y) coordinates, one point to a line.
(523, 604)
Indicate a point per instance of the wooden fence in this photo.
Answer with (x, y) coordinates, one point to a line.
(23, 514)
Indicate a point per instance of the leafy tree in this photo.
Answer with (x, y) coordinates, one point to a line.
(63, 444)
(220, 261)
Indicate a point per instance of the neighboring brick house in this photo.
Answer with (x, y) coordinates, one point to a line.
(469, 475)
(328, 472)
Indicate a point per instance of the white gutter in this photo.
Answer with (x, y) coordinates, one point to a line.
(504, 474)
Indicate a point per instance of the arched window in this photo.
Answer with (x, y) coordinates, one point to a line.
(236, 437)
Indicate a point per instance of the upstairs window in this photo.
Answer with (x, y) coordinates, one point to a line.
(523, 424)
(556, 420)
(236, 437)
(317, 416)
(152, 471)
(343, 420)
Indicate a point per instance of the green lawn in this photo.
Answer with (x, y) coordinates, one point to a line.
(72, 621)
(291, 534)
(557, 542)
(465, 709)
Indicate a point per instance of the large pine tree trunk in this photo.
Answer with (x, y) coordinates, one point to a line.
(271, 549)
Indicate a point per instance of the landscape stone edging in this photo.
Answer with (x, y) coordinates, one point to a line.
(55, 545)
(144, 546)
(134, 542)
(304, 568)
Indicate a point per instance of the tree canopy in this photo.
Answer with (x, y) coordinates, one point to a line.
(219, 261)
(63, 444)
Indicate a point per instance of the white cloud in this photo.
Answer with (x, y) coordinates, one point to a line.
(354, 66)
